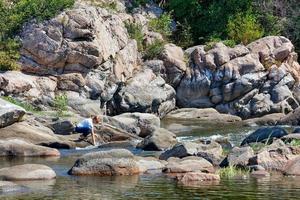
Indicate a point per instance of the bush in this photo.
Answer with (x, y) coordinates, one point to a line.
(162, 24)
(135, 32)
(9, 54)
(154, 50)
(183, 36)
(244, 28)
(60, 104)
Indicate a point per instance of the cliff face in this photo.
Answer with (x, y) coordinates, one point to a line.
(86, 53)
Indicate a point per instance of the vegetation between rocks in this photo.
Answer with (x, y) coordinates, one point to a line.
(28, 107)
(60, 104)
(232, 171)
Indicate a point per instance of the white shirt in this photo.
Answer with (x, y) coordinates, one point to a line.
(86, 123)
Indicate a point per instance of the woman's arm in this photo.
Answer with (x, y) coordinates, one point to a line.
(93, 137)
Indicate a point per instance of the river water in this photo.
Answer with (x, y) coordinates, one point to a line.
(151, 186)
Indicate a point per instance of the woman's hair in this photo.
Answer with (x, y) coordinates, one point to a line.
(96, 119)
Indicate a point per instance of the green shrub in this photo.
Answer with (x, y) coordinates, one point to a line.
(9, 54)
(153, 50)
(231, 171)
(60, 104)
(295, 143)
(213, 40)
(135, 32)
(244, 28)
(27, 106)
(162, 24)
(183, 36)
(107, 5)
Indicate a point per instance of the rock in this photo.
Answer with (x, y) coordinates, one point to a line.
(53, 47)
(72, 82)
(180, 150)
(292, 167)
(291, 137)
(34, 132)
(17, 147)
(250, 81)
(296, 130)
(161, 139)
(145, 93)
(130, 145)
(208, 115)
(197, 177)
(263, 134)
(266, 120)
(189, 164)
(150, 165)
(106, 163)
(211, 151)
(291, 119)
(275, 156)
(147, 123)
(63, 127)
(174, 63)
(9, 113)
(239, 157)
(27, 172)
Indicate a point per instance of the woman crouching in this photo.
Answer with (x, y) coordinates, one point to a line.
(86, 127)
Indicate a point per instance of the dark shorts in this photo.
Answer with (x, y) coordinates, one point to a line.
(83, 130)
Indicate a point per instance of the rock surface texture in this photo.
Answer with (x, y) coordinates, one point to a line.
(247, 81)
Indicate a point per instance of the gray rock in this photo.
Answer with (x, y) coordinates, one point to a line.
(106, 163)
(146, 123)
(27, 172)
(161, 139)
(188, 164)
(9, 113)
(264, 134)
(266, 120)
(20, 148)
(291, 118)
(63, 127)
(145, 93)
(239, 157)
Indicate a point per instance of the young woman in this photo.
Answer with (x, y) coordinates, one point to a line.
(86, 127)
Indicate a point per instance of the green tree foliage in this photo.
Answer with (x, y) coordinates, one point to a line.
(244, 28)
(60, 104)
(162, 24)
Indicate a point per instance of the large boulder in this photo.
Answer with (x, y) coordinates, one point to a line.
(150, 165)
(208, 115)
(144, 93)
(293, 118)
(275, 156)
(27, 172)
(248, 81)
(17, 147)
(9, 113)
(264, 134)
(239, 157)
(174, 63)
(188, 164)
(266, 120)
(34, 132)
(211, 151)
(106, 163)
(145, 122)
(293, 167)
(161, 139)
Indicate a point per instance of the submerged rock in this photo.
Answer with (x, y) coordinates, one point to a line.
(264, 134)
(27, 172)
(17, 147)
(106, 163)
(191, 177)
(293, 167)
(150, 165)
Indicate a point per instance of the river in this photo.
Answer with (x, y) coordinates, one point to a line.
(151, 186)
